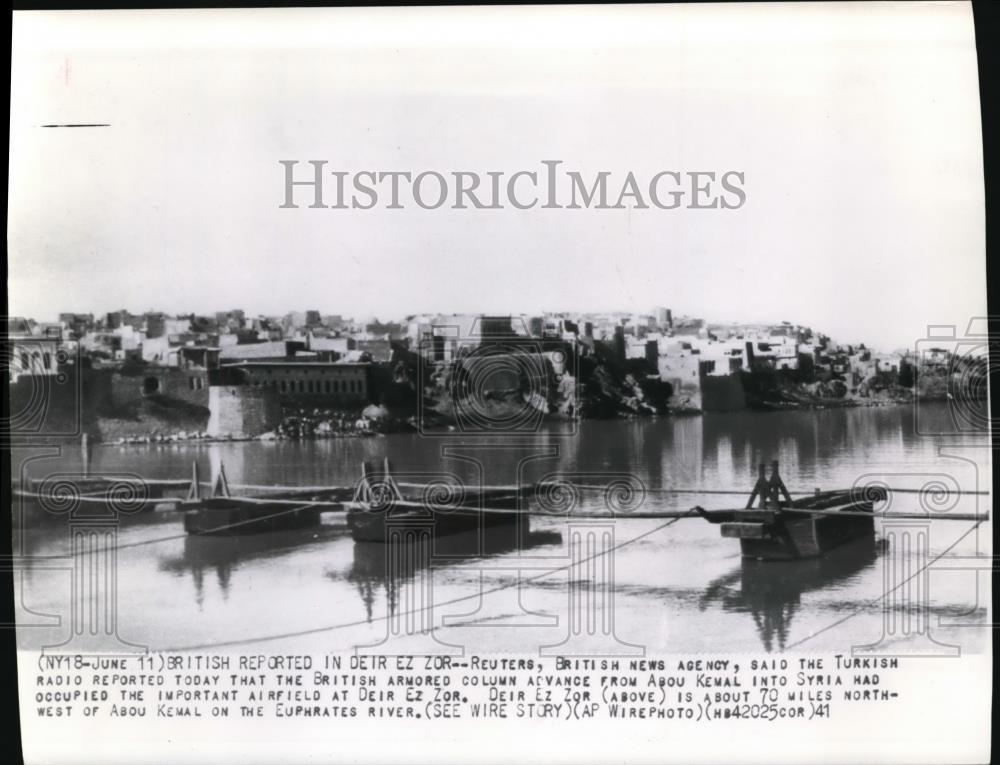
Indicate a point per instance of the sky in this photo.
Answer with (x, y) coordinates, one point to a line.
(856, 128)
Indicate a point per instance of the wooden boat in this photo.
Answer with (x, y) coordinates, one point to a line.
(804, 528)
(225, 515)
(379, 506)
(370, 525)
(785, 529)
(130, 491)
(126, 498)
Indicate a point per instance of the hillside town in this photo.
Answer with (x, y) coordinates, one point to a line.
(307, 374)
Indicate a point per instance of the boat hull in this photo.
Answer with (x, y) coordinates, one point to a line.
(369, 525)
(802, 536)
(232, 517)
(806, 528)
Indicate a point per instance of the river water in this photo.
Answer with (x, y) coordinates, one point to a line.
(666, 586)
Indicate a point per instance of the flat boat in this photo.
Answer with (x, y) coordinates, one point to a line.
(225, 515)
(379, 506)
(803, 528)
(228, 516)
(787, 529)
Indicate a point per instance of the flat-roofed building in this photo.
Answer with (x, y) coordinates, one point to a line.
(335, 382)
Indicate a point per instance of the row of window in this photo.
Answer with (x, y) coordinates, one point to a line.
(36, 359)
(323, 372)
(314, 386)
(296, 386)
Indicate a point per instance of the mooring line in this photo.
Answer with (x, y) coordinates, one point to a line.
(674, 515)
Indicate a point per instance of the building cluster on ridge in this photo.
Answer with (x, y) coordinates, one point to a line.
(339, 361)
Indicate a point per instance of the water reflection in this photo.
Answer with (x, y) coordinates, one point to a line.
(771, 591)
(203, 554)
(301, 576)
(389, 567)
(718, 451)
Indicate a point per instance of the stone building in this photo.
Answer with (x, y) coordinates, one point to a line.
(335, 383)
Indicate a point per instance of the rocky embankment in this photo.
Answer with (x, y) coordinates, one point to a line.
(318, 422)
(601, 388)
(778, 392)
(152, 420)
(610, 391)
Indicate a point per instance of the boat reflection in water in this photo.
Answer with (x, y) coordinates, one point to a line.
(392, 565)
(771, 591)
(225, 554)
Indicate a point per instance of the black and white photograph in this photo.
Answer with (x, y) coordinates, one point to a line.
(499, 384)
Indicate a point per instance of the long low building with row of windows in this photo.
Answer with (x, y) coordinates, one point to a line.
(345, 383)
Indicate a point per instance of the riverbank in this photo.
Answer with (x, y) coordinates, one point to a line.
(605, 394)
(766, 392)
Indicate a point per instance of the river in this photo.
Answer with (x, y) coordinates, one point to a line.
(668, 586)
